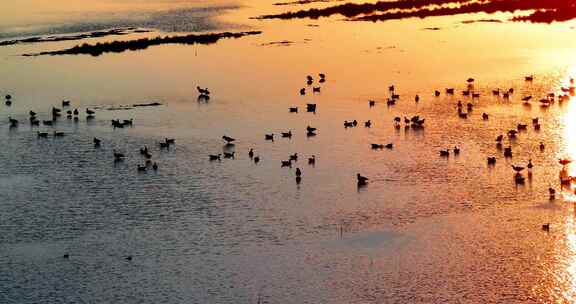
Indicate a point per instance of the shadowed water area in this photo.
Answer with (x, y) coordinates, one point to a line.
(79, 227)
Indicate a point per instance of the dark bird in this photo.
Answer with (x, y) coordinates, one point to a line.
(164, 145)
(65, 103)
(287, 134)
(530, 165)
(315, 89)
(32, 113)
(293, 109)
(286, 163)
(256, 159)
(251, 153)
(312, 160)
(456, 150)
(118, 156)
(517, 168)
(376, 146)
(361, 180)
(311, 107)
(76, 112)
(204, 92)
(389, 146)
(97, 142)
(269, 137)
(141, 168)
(214, 157)
(228, 140)
(371, 103)
(444, 153)
(303, 91)
(542, 147)
(491, 160)
(310, 129)
(368, 124)
(294, 157)
(155, 166)
(546, 227)
(484, 116)
(42, 134)
(436, 93)
(229, 155)
(298, 172)
(508, 152)
(90, 112)
(58, 134)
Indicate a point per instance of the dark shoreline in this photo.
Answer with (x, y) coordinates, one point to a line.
(142, 44)
(96, 34)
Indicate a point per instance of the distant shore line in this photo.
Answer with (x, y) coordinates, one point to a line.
(141, 44)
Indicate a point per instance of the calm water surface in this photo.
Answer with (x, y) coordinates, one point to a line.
(425, 230)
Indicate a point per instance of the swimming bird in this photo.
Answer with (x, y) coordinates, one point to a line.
(312, 160)
(294, 157)
(228, 139)
(475, 95)
(13, 122)
(564, 161)
(287, 134)
(65, 103)
(348, 124)
(450, 91)
(58, 134)
(303, 91)
(542, 147)
(256, 159)
(527, 98)
(517, 168)
(141, 168)
(491, 160)
(529, 78)
(546, 227)
(293, 109)
(470, 80)
(444, 153)
(96, 142)
(251, 153)
(269, 137)
(499, 138)
(361, 180)
(417, 98)
(32, 113)
(484, 116)
(170, 141)
(389, 146)
(155, 166)
(76, 112)
(456, 150)
(229, 155)
(42, 134)
(118, 156)
(436, 93)
(371, 103)
(508, 151)
(530, 165)
(286, 163)
(164, 145)
(376, 146)
(310, 129)
(90, 112)
(315, 89)
(311, 107)
(48, 122)
(213, 157)
(368, 124)
(204, 92)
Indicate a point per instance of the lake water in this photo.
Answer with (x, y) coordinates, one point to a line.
(426, 229)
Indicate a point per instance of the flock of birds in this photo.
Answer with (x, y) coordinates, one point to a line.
(74, 115)
(415, 122)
